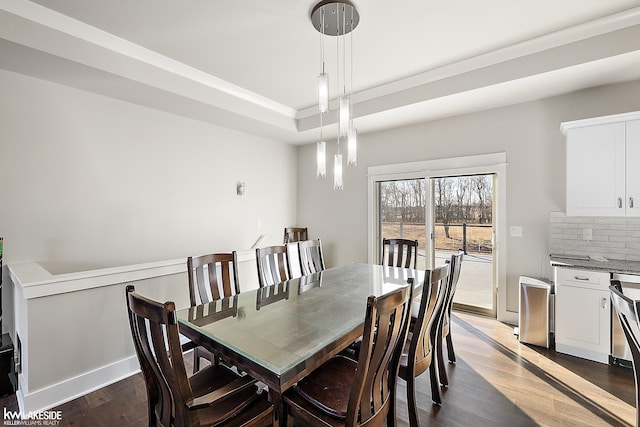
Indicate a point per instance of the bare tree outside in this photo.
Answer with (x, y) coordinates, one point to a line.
(463, 219)
(463, 211)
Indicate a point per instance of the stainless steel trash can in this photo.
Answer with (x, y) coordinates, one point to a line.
(536, 311)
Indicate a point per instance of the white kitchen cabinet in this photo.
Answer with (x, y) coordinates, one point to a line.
(602, 176)
(633, 167)
(582, 316)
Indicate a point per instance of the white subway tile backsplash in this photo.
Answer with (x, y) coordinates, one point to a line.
(609, 220)
(610, 233)
(566, 225)
(581, 220)
(624, 239)
(623, 227)
(612, 237)
(567, 236)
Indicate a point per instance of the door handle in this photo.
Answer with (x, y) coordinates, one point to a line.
(620, 202)
(630, 202)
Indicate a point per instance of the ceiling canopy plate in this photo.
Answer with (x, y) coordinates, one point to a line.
(340, 17)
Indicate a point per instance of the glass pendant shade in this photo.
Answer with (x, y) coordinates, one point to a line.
(323, 92)
(352, 146)
(336, 18)
(344, 115)
(321, 150)
(337, 172)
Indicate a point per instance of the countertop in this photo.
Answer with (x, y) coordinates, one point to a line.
(612, 265)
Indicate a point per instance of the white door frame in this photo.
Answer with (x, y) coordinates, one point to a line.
(494, 163)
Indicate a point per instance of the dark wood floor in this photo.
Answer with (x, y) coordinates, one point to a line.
(496, 382)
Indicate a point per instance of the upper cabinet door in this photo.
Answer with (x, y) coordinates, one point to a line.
(596, 170)
(633, 168)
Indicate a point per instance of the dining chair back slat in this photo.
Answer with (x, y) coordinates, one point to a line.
(311, 257)
(399, 253)
(273, 265)
(294, 234)
(212, 277)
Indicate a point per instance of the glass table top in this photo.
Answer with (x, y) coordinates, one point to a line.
(281, 326)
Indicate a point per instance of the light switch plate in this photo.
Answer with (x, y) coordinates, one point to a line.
(516, 231)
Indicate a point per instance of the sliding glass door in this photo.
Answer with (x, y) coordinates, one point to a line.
(401, 212)
(446, 214)
(463, 221)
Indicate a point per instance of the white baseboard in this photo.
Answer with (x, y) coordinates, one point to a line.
(62, 392)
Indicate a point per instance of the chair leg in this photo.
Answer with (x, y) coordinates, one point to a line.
(636, 375)
(153, 421)
(411, 400)
(442, 371)
(196, 359)
(436, 393)
(450, 351)
(391, 415)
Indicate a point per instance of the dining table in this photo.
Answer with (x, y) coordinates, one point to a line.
(281, 333)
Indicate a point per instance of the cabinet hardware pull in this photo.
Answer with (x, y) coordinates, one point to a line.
(630, 202)
(604, 303)
(619, 202)
(580, 278)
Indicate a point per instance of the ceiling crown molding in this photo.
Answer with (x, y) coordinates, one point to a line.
(35, 35)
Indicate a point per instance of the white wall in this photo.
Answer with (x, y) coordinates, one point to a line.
(88, 181)
(529, 134)
(79, 341)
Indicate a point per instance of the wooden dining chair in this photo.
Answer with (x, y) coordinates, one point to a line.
(213, 396)
(452, 282)
(211, 277)
(294, 234)
(311, 258)
(399, 253)
(273, 265)
(419, 352)
(343, 392)
(627, 310)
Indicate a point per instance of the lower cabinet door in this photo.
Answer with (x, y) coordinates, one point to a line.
(583, 322)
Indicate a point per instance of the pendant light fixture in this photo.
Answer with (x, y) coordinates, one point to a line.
(336, 18)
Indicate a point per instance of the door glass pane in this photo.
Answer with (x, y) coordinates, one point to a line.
(463, 214)
(401, 213)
